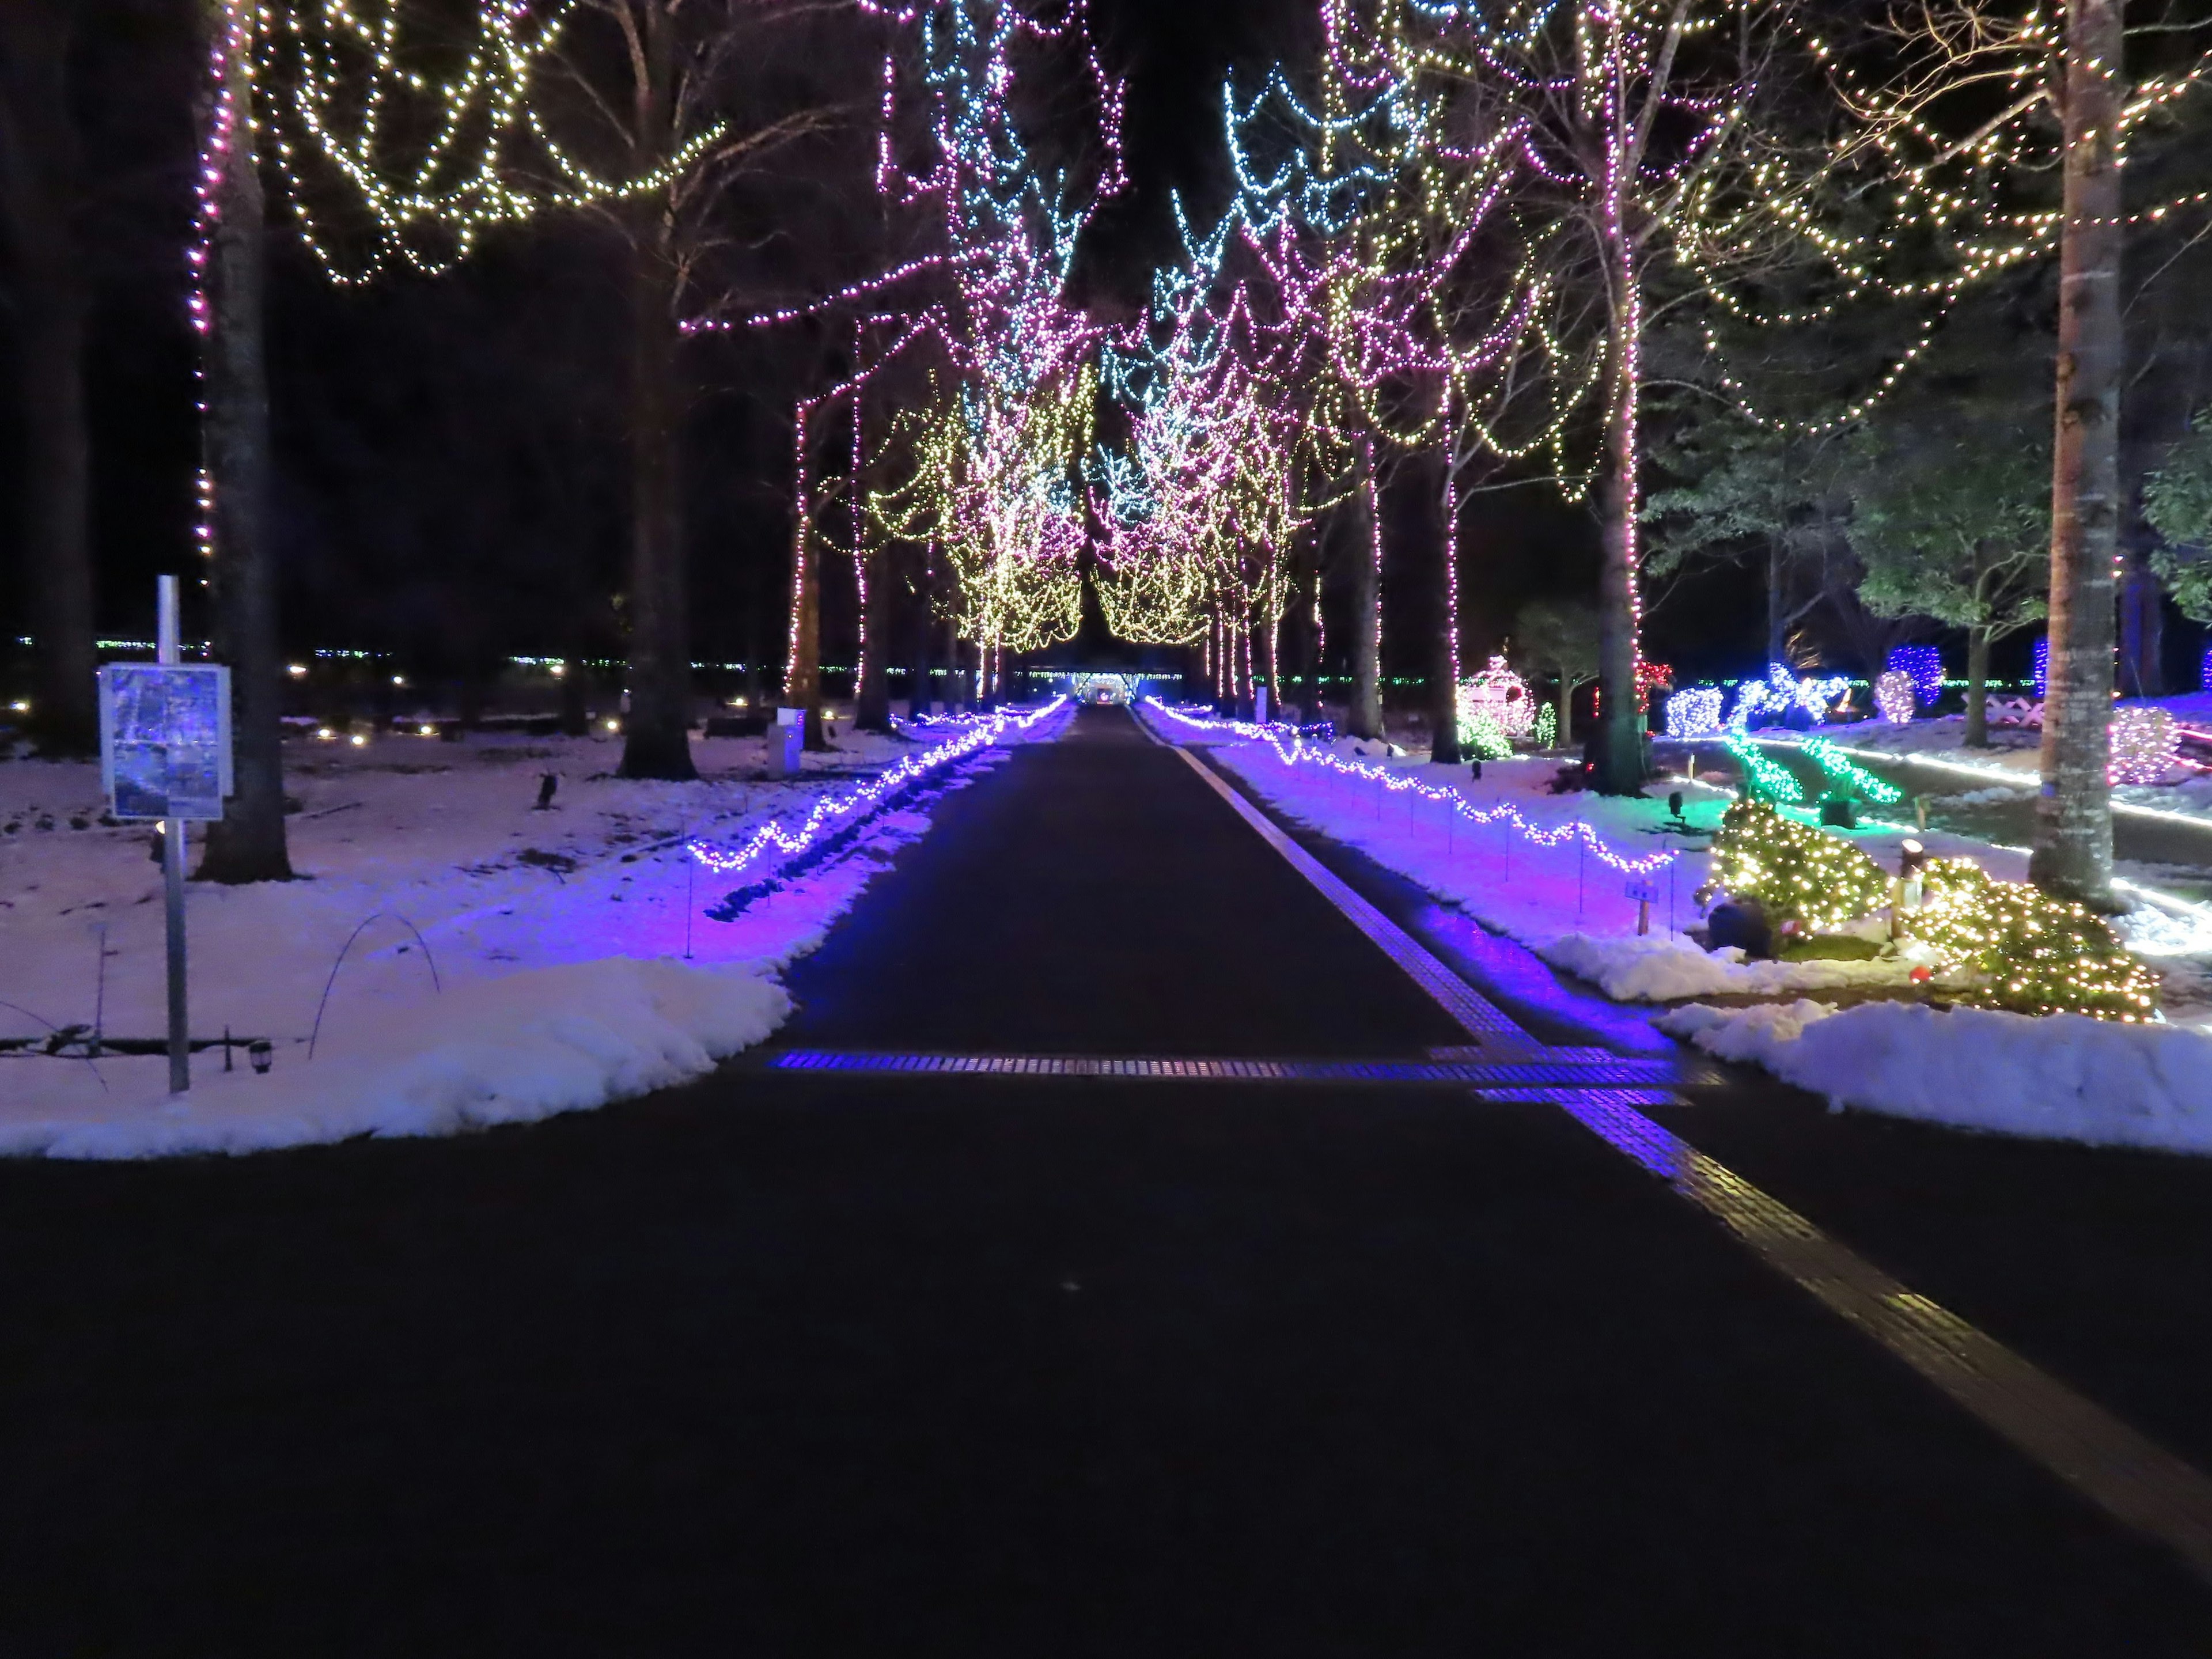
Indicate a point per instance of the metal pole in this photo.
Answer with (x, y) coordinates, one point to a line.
(172, 868)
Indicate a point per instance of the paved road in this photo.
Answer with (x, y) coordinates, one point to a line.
(847, 1364)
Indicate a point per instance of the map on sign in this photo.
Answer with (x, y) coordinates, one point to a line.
(165, 739)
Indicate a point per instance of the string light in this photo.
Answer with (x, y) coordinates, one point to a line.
(1696, 712)
(1894, 695)
(1846, 775)
(1922, 666)
(2146, 742)
(1500, 698)
(831, 811)
(1292, 748)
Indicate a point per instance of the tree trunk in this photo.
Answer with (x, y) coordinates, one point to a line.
(1619, 747)
(1313, 642)
(802, 676)
(39, 192)
(1443, 673)
(955, 676)
(1977, 688)
(2142, 629)
(918, 698)
(1566, 707)
(871, 691)
(1363, 715)
(657, 735)
(248, 844)
(1776, 644)
(2073, 852)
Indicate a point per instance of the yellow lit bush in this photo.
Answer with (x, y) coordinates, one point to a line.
(1795, 872)
(2036, 955)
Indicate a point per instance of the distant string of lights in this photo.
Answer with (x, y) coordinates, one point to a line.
(832, 812)
(1292, 749)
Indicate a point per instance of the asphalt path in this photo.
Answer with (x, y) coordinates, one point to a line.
(849, 1364)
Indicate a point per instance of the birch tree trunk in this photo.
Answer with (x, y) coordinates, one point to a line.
(2072, 856)
(39, 190)
(1619, 748)
(248, 845)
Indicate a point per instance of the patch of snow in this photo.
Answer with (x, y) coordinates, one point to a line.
(1669, 967)
(508, 1050)
(2063, 1076)
(558, 937)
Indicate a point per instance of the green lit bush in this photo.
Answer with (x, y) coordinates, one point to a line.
(1796, 873)
(2032, 954)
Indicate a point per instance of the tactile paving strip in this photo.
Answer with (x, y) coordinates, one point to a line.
(1493, 1075)
(2128, 1475)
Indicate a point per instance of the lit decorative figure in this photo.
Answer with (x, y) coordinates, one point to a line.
(2145, 741)
(1500, 696)
(2204, 671)
(1922, 667)
(1893, 695)
(1782, 691)
(2042, 667)
(1694, 713)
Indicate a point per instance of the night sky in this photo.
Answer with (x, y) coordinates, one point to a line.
(378, 395)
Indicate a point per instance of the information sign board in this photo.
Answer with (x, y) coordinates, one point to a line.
(165, 739)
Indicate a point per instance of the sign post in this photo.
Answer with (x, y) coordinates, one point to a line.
(1645, 892)
(165, 755)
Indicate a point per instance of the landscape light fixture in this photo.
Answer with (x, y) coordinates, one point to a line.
(261, 1055)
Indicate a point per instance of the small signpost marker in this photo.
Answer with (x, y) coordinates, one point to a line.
(165, 755)
(1643, 892)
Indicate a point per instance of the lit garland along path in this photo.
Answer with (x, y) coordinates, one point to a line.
(1121, 1253)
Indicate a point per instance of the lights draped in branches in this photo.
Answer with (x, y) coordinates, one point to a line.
(1893, 695)
(2146, 739)
(1922, 666)
(1696, 712)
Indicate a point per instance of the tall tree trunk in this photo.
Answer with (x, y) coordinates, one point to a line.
(248, 844)
(2142, 629)
(802, 676)
(1777, 645)
(1977, 688)
(1444, 672)
(657, 735)
(2073, 852)
(1619, 747)
(1312, 641)
(871, 691)
(40, 191)
(1566, 709)
(1363, 715)
(918, 698)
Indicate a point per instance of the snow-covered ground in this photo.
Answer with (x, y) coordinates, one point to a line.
(2013, 761)
(510, 963)
(2064, 1078)
(1545, 871)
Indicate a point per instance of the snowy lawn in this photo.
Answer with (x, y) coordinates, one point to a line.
(2064, 1078)
(559, 938)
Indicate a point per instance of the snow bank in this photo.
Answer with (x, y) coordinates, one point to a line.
(2065, 1076)
(510, 1050)
(1669, 967)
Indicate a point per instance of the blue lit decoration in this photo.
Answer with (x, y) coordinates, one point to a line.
(1695, 712)
(1923, 665)
(1769, 702)
(2043, 666)
(2204, 671)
